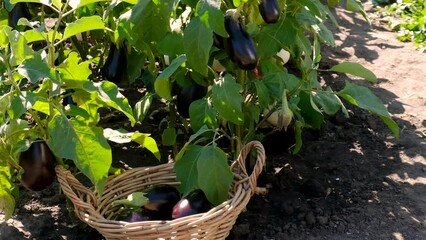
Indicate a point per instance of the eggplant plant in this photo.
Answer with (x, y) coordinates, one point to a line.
(221, 67)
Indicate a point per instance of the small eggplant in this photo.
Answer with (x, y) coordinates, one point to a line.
(115, 66)
(20, 10)
(38, 163)
(187, 95)
(157, 201)
(217, 40)
(137, 217)
(195, 202)
(269, 10)
(240, 45)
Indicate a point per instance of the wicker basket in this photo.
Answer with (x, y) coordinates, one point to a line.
(214, 224)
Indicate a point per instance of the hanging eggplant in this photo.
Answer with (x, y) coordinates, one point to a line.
(20, 10)
(114, 69)
(38, 163)
(269, 10)
(240, 45)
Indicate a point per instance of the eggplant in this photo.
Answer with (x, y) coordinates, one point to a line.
(68, 100)
(240, 45)
(115, 66)
(195, 202)
(38, 163)
(269, 10)
(137, 217)
(20, 10)
(156, 202)
(187, 95)
(218, 40)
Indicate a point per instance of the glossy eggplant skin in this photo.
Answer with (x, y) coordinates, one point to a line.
(20, 10)
(162, 199)
(193, 203)
(115, 66)
(269, 10)
(240, 45)
(38, 163)
(187, 95)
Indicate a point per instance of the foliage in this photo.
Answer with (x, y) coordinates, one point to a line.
(170, 45)
(409, 20)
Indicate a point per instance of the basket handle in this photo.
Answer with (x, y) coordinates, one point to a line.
(68, 183)
(258, 167)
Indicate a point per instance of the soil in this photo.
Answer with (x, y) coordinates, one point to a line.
(351, 180)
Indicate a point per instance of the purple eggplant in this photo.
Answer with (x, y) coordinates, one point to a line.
(195, 202)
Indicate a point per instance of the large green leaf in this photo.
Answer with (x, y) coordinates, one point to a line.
(21, 103)
(171, 45)
(209, 11)
(80, 3)
(83, 24)
(273, 37)
(364, 98)
(19, 48)
(73, 73)
(197, 42)
(86, 146)
(141, 108)
(147, 142)
(355, 69)
(35, 69)
(214, 174)
(186, 169)
(309, 110)
(227, 99)
(7, 201)
(151, 19)
(201, 113)
(328, 100)
(108, 93)
(162, 84)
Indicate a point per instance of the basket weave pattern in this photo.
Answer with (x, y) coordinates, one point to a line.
(214, 224)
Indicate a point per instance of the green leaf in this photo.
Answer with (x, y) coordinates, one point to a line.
(355, 69)
(201, 131)
(19, 48)
(83, 24)
(325, 35)
(273, 37)
(262, 93)
(210, 10)
(329, 101)
(227, 99)
(169, 136)
(86, 146)
(141, 108)
(197, 42)
(118, 136)
(362, 97)
(21, 103)
(201, 113)
(108, 93)
(298, 125)
(135, 199)
(214, 174)
(356, 6)
(35, 69)
(152, 19)
(186, 169)
(171, 45)
(3, 17)
(162, 84)
(309, 110)
(73, 73)
(7, 201)
(147, 142)
(80, 3)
